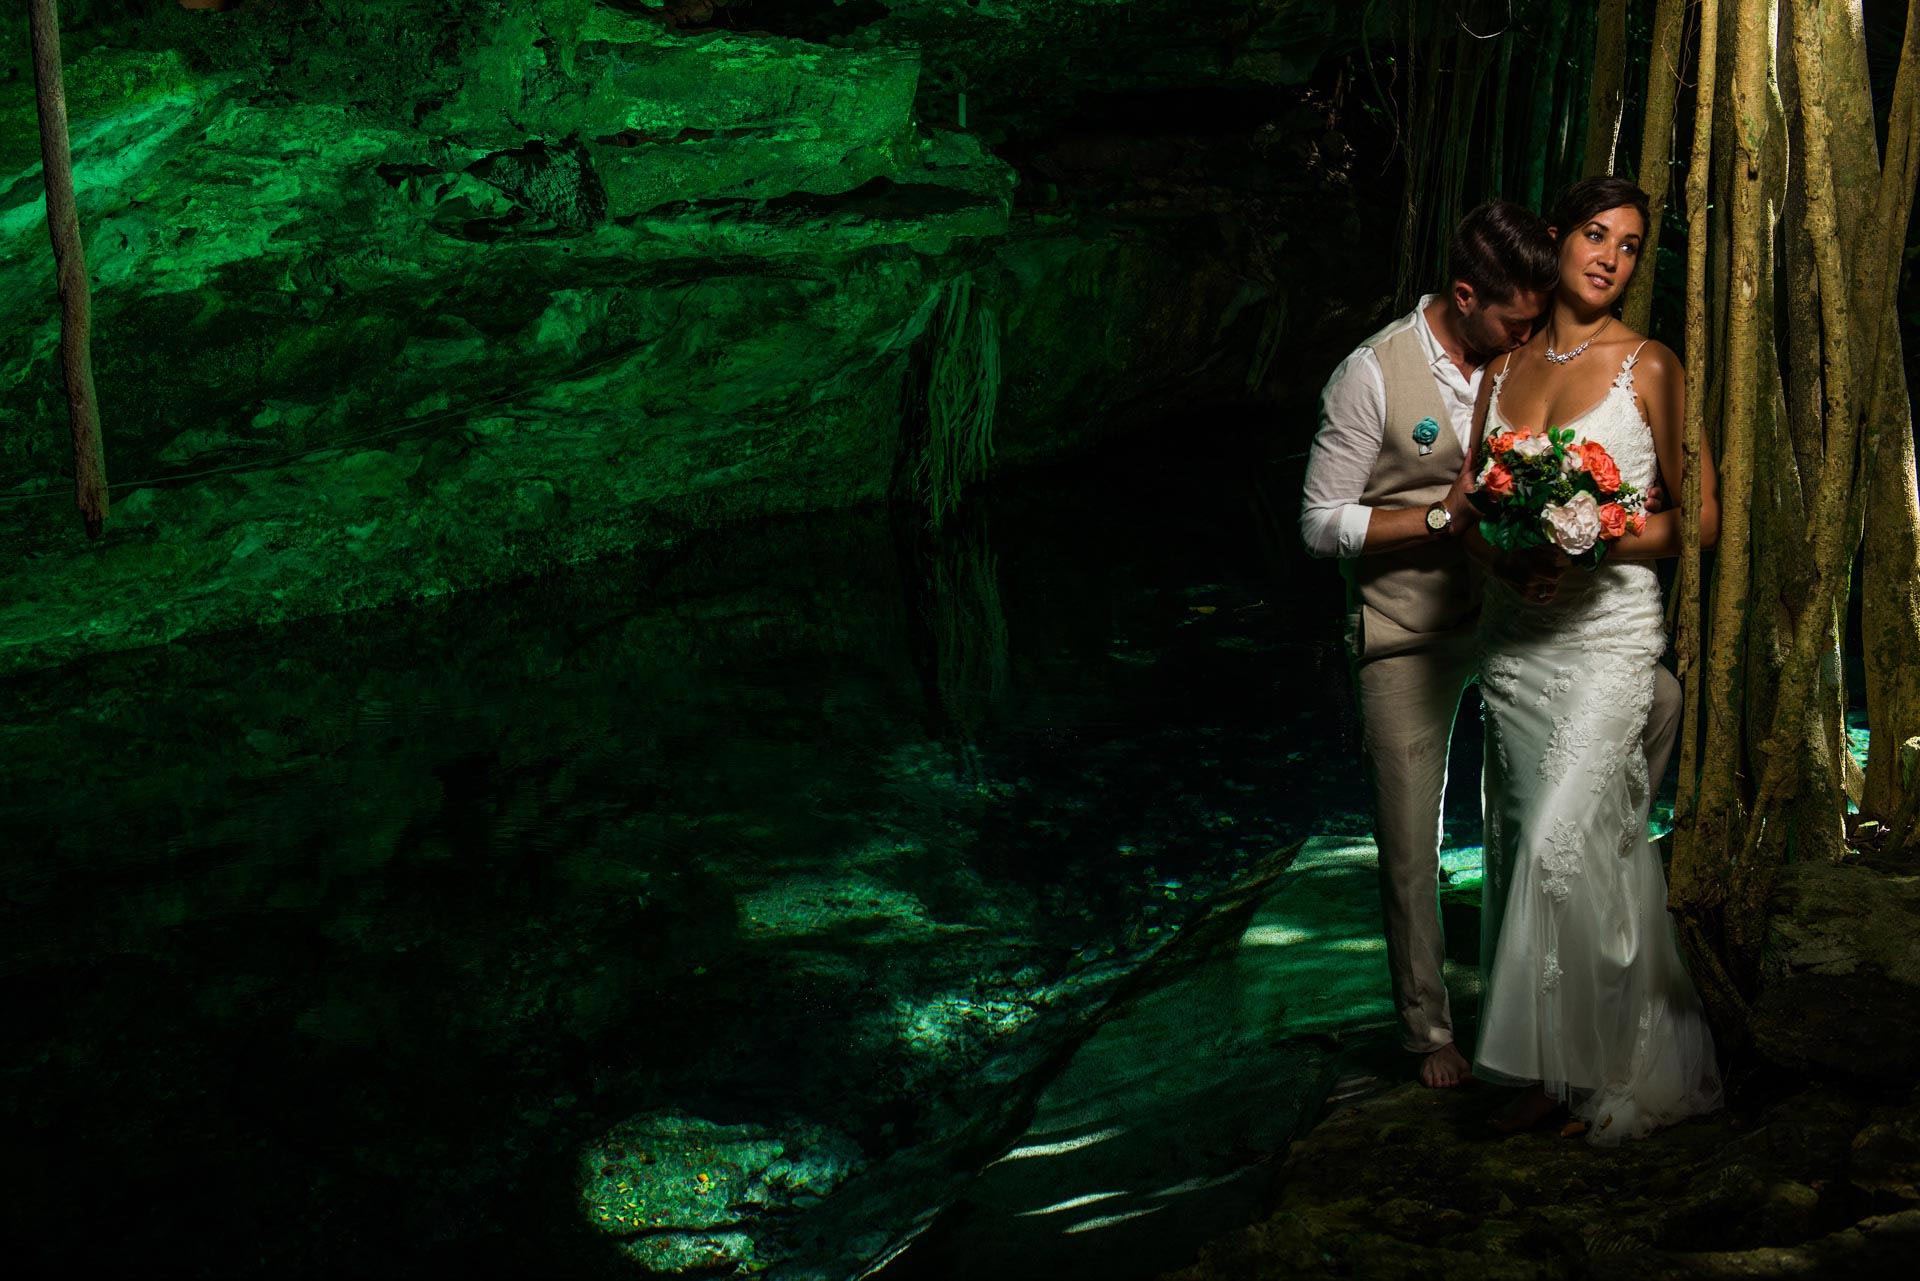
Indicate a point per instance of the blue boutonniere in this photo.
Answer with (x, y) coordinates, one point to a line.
(1425, 432)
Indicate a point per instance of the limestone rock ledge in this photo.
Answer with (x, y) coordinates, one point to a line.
(465, 293)
(1409, 1183)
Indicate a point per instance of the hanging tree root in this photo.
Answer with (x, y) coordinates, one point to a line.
(70, 263)
(963, 393)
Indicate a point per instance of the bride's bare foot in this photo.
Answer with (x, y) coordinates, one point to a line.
(1523, 1111)
(1444, 1068)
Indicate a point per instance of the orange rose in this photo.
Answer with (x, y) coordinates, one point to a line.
(1500, 443)
(1499, 481)
(1613, 520)
(1637, 523)
(1600, 466)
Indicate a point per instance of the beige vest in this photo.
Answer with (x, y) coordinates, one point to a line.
(1402, 597)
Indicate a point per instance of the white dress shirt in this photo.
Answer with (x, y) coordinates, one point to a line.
(1353, 415)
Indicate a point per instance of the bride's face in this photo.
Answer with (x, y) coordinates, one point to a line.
(1598, 257)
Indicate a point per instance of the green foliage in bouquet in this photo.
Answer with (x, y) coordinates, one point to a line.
(1520, 482)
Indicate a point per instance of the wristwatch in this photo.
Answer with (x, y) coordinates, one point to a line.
(1439, 519)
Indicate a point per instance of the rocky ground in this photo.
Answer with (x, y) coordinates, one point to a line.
(1816, 1181)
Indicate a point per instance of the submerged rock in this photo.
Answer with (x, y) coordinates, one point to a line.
(691, 1195)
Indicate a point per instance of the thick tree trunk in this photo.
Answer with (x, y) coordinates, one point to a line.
(1799, 792)
(70, 266)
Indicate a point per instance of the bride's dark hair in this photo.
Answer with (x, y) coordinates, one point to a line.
(1580, 202)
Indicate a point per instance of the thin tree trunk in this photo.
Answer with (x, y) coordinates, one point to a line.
(1890, 580)
(1497, 180)
(1606, 90)
(1721, 817)
(1656, 152)
(1696, 882)
(70, 267)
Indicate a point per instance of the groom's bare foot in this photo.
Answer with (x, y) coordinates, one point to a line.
(1523, 1111)
(1444, 1068)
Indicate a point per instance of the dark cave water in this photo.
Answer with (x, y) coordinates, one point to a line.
(349, 949)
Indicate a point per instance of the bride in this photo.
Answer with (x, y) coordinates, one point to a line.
(1585, 1000)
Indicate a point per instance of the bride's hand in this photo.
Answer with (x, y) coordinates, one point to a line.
(1535, 573)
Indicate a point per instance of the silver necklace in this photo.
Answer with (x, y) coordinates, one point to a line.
(1562, 357)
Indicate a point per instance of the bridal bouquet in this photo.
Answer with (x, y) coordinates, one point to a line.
(1541, 488)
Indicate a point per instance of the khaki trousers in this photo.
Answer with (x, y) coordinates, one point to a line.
(1407, 705)
(1408, 700)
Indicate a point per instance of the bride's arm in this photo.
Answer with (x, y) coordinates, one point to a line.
(1662, 385)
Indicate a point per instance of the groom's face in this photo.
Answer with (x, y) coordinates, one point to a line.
(1491, 328)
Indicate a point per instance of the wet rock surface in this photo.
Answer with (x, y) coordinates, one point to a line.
(1817, 1181)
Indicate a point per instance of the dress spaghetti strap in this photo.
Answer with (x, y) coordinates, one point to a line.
(1625, 377)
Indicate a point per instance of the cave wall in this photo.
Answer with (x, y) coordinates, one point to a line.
(401, 299)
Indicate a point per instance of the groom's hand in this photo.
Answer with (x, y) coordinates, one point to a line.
(1656, 500)
(1456, 500)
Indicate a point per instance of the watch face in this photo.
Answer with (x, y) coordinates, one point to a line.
(1436, 518)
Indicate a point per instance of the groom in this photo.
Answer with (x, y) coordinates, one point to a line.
(1386, 492)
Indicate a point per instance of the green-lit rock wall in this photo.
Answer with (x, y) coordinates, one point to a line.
(392, 300)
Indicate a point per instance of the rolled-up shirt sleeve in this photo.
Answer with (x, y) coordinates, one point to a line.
(1353, 409)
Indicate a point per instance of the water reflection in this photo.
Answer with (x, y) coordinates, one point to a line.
(348, 948)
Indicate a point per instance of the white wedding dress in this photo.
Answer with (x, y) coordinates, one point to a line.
(1583, 986)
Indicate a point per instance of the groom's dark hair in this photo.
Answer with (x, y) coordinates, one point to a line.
(1502, 249)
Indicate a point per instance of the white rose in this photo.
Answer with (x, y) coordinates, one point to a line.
(1573, 526)
(1533, 446)
(1572, 461)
